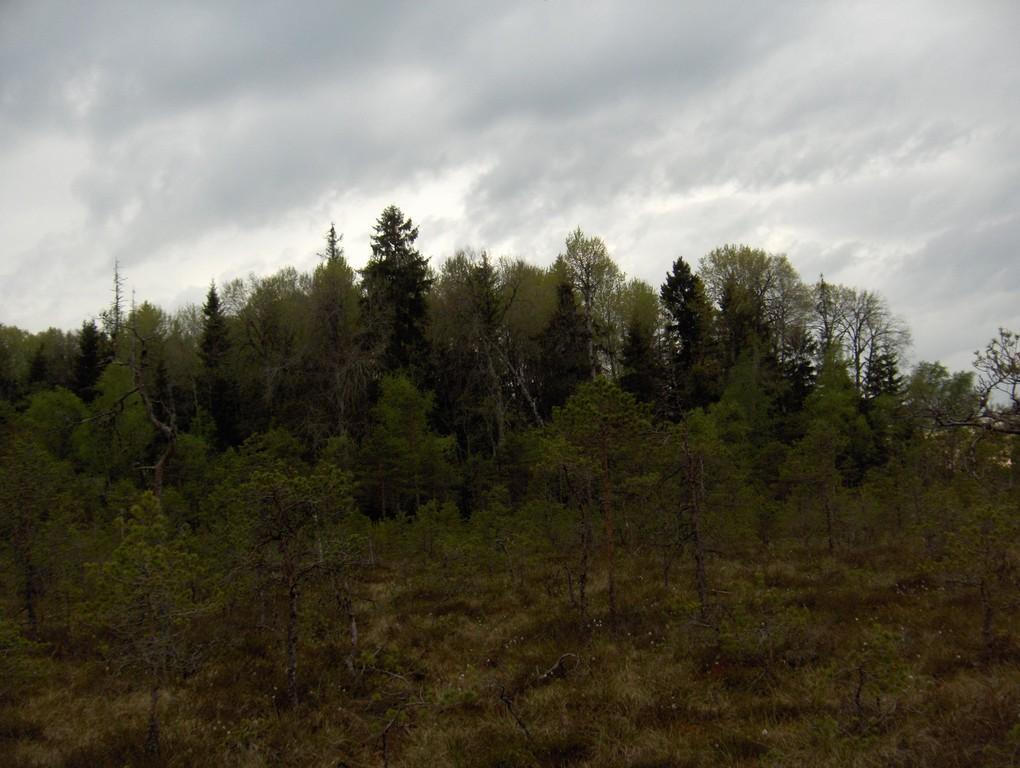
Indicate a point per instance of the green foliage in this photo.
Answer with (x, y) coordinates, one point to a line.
(688, 330)
(936, 396)
(587, 267)
(141, 597)
(764, 634)
(422, 564)
(403, 462)
(271, 333)
(21, 660)
(642, 375)
(13, 361)
(467, 311)
(829, 455)
(436, 528)
(397, 280)
(118, 432)
(729, 503)
(38, 506)
(219, 392)
(53, 415)
(336, 370)
(875, 672)
(564, 357)
(601, 423)
(92, 358)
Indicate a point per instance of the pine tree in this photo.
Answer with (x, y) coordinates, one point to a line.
(290, 534)
(142, 599)
(598, 437)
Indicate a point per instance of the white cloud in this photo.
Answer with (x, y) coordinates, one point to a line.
(871, 141)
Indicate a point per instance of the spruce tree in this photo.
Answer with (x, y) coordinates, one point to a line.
(334, 249)
(687, 337)
(397, 280)
(90, 362)
(642, 368)
(335, 370)
(882, 376)
(564, 345)
(215, 343)
(219, 393)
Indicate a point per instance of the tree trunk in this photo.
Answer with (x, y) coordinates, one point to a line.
(607, 518)
(523, 386)
(695, 476)
(347, 606)
(589, 325)
(496, 390)
(152, 736)
(582, 576)
(33, 619)
(987, 616)
(827, 502)
(292, 641)
(159, 469)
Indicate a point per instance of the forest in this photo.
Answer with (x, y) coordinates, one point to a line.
(488, 513)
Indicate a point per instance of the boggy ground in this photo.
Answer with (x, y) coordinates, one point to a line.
(862, 659)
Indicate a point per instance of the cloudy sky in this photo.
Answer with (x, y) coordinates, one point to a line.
(878, 143)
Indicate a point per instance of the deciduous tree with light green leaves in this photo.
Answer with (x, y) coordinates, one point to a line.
(596, 278)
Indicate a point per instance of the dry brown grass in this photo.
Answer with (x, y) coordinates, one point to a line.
(465, 668)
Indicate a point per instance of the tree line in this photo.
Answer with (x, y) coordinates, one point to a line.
(254, 458)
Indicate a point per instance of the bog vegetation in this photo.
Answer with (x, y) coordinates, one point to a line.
(492, 514)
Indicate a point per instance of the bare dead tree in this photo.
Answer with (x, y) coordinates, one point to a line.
(998, 368)
(160, 410)
(991, 404)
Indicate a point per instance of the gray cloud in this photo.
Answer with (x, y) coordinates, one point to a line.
(870, 141)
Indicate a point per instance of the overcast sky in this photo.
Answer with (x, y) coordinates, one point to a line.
(878, 143)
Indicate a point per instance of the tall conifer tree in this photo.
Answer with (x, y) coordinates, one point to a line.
(687, 335)
(90, 361)
(397, 280)
(564, 344)
(218, 389)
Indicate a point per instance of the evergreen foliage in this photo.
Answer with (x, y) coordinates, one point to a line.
(91, 360)
(397, 280)
(469, 518)
(219, 391)
(564, 351)
(688, 339)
